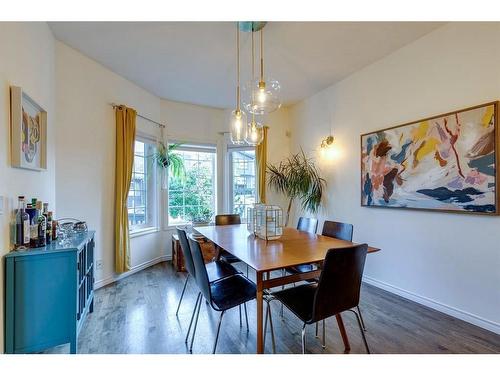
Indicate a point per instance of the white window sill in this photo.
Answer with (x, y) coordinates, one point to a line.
(143, 231)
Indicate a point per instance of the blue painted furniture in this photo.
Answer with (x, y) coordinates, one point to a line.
(48, 294)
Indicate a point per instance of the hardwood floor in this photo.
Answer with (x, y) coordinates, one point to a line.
(137, 315)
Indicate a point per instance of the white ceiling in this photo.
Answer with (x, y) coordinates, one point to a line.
(195, 62)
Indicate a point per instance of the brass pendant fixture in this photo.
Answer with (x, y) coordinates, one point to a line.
(260, 95)
(238, 121)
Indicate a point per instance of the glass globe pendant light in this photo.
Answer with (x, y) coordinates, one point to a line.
(261, 96)
(238, 120)
(255, 132)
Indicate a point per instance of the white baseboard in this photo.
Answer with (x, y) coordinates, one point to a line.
(449, 310)
(135, 269)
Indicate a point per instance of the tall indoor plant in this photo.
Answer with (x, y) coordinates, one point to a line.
(297, 178)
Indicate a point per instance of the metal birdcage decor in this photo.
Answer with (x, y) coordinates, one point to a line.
(265, 221)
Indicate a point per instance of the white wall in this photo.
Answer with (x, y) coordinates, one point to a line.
(27, 61)
(448, 261)
(86, 151)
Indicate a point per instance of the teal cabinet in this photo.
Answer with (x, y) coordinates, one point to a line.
(48, 293)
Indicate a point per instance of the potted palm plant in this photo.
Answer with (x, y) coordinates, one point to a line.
(297, 178)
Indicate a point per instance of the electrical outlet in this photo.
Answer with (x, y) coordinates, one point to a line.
(98, 264)
(1, 205)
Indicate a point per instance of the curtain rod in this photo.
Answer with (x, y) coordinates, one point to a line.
(114, 105)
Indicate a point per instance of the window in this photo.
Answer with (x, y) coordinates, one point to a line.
(191, 197)
(242, 179)
(142, 196)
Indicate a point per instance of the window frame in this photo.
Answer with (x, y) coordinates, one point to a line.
(230, 188)
(193, 147)
(152, 191)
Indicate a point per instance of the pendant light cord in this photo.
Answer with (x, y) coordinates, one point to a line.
(238, 68)
(253, 57)
(253, 71)
(262, 55)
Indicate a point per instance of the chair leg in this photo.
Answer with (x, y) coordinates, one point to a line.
(361, 318)
(304, 339)
(246, 316)
(195, 325)
(218, 330)
(239, 308)
(283, 273)
(324, 334)
(192, 316)
(362, 331)
(182, 295)
(316, 334)
(268, 314)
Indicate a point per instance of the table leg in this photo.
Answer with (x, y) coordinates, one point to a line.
(260, 306)
(343, 333)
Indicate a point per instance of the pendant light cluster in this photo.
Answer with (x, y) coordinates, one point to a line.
(260, 97)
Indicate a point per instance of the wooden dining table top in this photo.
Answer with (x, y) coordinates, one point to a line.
(293, 248)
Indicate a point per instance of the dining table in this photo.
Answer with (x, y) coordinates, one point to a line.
(293, 248)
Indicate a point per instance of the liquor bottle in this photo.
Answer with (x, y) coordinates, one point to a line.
(49, 227)
(42, 225)
(54, 230)
(33, 224)
(22, 226)
(46, 214)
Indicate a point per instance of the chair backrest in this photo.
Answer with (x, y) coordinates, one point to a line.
(340, 282)
(307, 224)
(227, 219)
(342, 231)
(200, 269)
(186, 251)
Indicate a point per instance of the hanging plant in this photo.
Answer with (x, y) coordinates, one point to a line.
(167, 159)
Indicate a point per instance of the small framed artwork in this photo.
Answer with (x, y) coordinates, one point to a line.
(443, 163)
(28, 131)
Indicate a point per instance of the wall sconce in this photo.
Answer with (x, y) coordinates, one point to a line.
(327, 150)
(327, 142)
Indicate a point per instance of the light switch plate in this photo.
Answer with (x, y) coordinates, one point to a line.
(2, 203)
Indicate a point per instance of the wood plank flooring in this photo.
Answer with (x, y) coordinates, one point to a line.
(137, 315)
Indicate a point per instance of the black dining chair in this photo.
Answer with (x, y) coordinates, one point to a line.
(216, 270)
(228, 219)
(341, 231)
(223, 294)
(335, 229)
(336, 291)
(305, 224)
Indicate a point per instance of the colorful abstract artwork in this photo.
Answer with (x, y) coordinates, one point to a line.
(29, 123)
(447, 163)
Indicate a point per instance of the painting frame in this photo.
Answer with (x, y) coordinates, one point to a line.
(496, 177)
(22, 122)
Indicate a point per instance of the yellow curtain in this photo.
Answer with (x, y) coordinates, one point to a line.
(261, 164)
(125, 140)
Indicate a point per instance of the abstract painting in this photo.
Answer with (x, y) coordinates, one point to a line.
(446, 162)
(29, 130)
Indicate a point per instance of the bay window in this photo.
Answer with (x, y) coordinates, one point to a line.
(192, 196)
(142, 197)
(241, 179)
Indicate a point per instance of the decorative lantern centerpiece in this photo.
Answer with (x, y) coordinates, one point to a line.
(265, 221)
